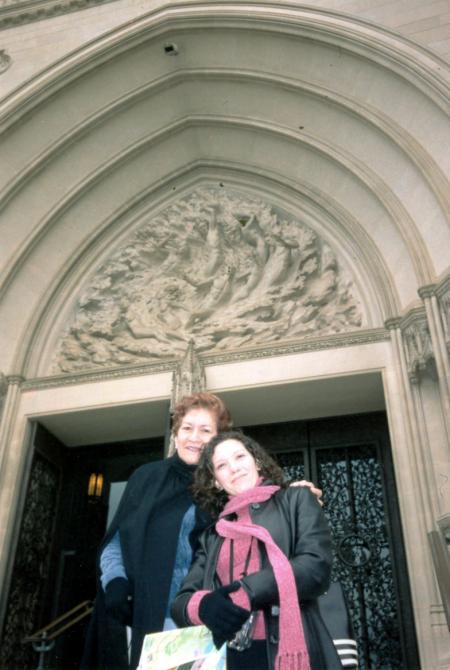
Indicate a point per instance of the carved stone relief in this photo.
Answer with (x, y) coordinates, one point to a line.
(216, 267)
(418, 346)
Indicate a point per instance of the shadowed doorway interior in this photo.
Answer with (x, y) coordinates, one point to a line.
(349, 457)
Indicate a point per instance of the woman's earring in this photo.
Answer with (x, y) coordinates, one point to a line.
(258, 465)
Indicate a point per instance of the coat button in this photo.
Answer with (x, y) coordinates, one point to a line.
(273, 639)
(256, 505)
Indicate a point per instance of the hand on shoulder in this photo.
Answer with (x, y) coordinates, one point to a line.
(312, 487)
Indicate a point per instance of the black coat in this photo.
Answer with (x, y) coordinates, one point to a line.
(296, 522)
(148, 520)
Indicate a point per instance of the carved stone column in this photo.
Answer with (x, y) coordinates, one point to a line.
(421, 508)
(10, 463)
(412, 357)
(437, 314)
(9, 394)
(188, 377)
(440, 303)
(3, 391)
(429, 390)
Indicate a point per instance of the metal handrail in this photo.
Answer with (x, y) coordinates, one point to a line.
(79, 612)
(43, 640)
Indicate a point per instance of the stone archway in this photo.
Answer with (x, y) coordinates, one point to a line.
(320, 115)
(236, 94)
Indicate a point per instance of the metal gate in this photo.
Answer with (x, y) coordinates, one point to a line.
(360, 504)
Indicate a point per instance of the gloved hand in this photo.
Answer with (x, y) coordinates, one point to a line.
(118, 600)
(221, 615)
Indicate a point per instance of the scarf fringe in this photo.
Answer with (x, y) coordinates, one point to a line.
(292, 661)
(292, 649)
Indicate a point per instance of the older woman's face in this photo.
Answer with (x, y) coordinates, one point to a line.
(234, 467)
(197, 427)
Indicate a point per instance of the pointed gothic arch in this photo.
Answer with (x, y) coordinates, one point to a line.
(325, 115)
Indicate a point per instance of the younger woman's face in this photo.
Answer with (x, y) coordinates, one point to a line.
(197, 427)
(234, 467)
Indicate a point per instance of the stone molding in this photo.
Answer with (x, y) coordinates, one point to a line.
(308, 344)
(376, 42)
(430, 170)
(357, 338)
(3, 391)
(427, 291)
(393, 323)
(20, 12)
(14, 380)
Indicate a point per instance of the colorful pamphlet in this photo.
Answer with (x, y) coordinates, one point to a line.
(182, 649)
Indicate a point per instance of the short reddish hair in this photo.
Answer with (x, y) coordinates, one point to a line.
(202, 400)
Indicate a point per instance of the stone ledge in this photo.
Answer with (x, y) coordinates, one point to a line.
(17, 13)
(308, 344)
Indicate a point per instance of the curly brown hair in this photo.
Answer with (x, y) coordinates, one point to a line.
(205, 491)
(202, 400)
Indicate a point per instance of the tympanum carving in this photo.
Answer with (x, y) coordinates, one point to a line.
(216, 267)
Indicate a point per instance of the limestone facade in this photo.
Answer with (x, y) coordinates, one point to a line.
(267, 179)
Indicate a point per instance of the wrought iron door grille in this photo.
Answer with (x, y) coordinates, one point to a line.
(351, 479)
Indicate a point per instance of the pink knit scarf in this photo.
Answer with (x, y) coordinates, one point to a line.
(292, 652)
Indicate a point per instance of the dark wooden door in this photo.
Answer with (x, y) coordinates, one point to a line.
(350, 459)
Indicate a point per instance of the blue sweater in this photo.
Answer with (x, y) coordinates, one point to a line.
(111, 559)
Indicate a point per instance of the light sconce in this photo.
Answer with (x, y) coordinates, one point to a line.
(95, 486)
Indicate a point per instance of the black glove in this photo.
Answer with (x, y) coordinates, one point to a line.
(221, 615)
(118, 600)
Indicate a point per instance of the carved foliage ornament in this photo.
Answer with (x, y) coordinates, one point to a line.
(418, 347)
(444, 305)
(216, 267)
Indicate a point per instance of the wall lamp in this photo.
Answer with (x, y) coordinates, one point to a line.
(95, 486)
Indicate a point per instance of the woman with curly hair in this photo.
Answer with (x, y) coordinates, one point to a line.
(258, 571)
